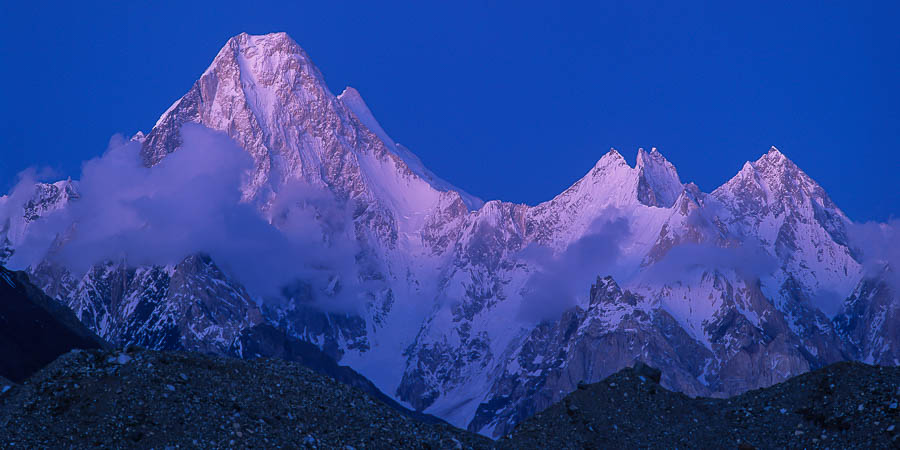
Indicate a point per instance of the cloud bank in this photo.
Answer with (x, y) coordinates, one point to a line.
(877, 245)
(191, 203)
(748, 260)
(561, 278)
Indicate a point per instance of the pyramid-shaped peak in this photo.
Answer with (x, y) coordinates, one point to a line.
(773, 183)
(652, 157)
(773, 158)
(264, 49)
(612, 157)
(659, 184)
(641, 155)
(278, 39)
(245, 91)
(774, 153)
(773, 161)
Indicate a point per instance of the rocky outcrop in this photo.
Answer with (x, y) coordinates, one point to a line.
(191, 305)
(586, 346)
(870, 320)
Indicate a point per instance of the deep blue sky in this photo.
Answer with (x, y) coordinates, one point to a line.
(507, 101)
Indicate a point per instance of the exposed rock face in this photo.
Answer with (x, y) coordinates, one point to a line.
(658, 184)
(34, 329)
(587, 346)
(191, 305)
(26, 207)
(773, 201)
(724, 292)
(334, 333)
(870, 320)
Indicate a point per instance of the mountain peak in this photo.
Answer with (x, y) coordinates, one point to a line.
(658, 182)
(771, 163)
(257, 88)
(773, 158)
(265, 52)
(274, 40)
(774, 185)
(258, 56)
(612, 157)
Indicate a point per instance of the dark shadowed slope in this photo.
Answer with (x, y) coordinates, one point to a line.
(34, 329)
(155, 399)
(845, 405)
(266, 341)
(149, 399)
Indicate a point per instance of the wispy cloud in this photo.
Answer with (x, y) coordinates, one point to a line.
(562, 277)
(877, 245)
(191, 202)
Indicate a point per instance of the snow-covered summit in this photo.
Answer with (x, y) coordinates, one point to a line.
(773, 201)
(659, 184)
(266, 94)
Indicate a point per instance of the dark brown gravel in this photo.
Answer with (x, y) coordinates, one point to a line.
(161, 400)
(846, 405)
(181, 400)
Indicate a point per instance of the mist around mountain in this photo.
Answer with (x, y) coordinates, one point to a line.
(260, 198)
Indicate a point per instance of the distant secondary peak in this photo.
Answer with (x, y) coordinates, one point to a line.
(769, 163)
(608, 280)
(652, 157)
(773, 158)
(658, 181)
(605, 290)
(771, 185)
(612, 157)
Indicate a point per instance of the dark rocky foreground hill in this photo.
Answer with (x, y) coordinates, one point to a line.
(149, 399)
(845, 405)
(266, 341)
